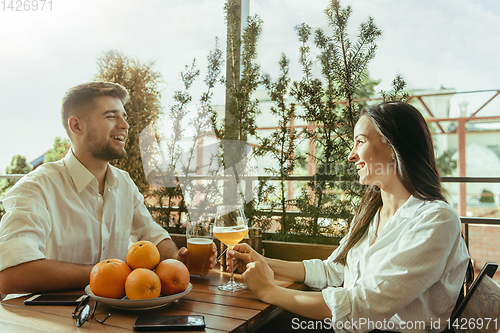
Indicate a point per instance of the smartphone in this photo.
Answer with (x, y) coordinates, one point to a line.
(55, 299)
(169, 323)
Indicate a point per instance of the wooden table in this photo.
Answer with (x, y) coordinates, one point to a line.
(223, 311)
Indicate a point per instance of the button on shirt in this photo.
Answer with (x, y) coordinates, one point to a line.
(411, 275)
(56, 212)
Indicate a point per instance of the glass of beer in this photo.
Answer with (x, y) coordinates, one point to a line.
(200, 238)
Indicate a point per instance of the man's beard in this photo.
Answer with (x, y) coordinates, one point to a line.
(103, 151)
(107, 153)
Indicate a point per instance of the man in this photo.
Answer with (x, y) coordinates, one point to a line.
(66, 216)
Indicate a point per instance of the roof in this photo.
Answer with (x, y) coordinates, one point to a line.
(37, 161)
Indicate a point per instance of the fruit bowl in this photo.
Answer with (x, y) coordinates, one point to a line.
(141, 304)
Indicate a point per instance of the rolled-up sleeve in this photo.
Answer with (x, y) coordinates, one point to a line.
(18, 250)
(24, 228)
(324, 273)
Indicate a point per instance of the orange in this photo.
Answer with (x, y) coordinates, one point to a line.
(174, 276)
(107, 278)
(142, 283)
(143, 254)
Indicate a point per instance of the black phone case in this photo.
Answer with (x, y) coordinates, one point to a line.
(149, 327)
(54, 299)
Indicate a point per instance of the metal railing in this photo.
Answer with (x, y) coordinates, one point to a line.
(12, 176)
(249, 179)
(466, 221)
(473, 220)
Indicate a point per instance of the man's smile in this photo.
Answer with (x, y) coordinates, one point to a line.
(120, 138)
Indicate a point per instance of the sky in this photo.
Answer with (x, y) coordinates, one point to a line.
(431, 43)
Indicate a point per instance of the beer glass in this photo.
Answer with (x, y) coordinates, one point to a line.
(200, 238)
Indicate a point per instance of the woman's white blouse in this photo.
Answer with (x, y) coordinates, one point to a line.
(408, 280)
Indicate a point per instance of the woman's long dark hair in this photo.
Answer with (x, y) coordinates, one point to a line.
(404, 129)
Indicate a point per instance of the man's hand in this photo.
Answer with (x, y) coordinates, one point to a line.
(213, 258)
(259, 277)
(183, 253)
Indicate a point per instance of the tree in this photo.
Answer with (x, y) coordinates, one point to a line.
(143, 109)
(487, 196)
(280, 145)
(243, 74)
(58, 151)
(330, 103)
(446, 164)
(181, 145)
(242, 79)
(18, 165)
(397, 92)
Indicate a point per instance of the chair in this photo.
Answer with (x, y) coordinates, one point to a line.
(481, 305)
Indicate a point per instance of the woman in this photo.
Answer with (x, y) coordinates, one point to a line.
(403, 262)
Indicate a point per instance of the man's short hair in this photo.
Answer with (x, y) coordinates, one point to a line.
(78, 99)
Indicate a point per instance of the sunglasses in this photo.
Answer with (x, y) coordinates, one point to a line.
(82, 312)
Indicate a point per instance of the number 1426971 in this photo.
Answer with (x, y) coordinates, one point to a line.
(26, 5)
(474, 323)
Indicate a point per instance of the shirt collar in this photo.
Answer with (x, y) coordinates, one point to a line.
(410, 207)
(407, 210)
(81, 175)
(110, 176)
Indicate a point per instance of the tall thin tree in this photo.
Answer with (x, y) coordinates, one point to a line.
(143, 109)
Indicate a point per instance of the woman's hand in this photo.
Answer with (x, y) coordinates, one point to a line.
(239, 256)
(259, 277)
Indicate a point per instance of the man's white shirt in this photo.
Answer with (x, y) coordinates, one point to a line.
(56, 212)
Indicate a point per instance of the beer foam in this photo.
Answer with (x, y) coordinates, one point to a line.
(199, 241)
(229, 229)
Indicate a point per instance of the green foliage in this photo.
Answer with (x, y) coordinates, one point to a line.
(487, 197)
(58, 151)
(280, 145)
(242, 80)
(243, 76)
(397, 93)
(181, 157)
(445, 164)
(331, 104)
(143, 109)
(18, 165)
